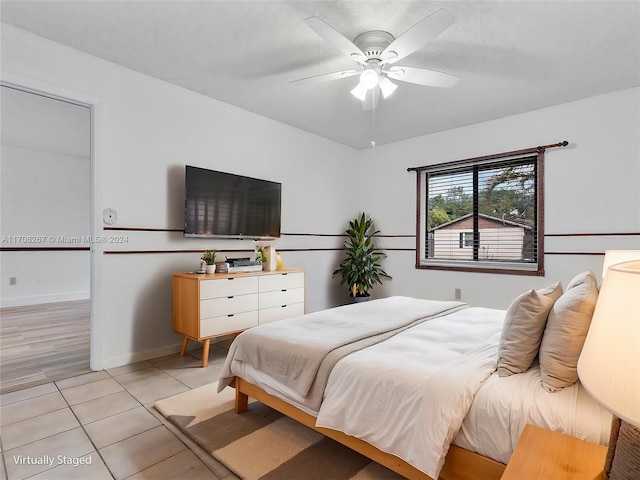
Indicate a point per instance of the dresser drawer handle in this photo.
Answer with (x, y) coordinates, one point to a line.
(230, 278)
(230, 315)
(283, 306)
(230, 296)
(283, 290)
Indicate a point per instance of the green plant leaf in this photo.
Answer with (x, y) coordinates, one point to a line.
(361, 267)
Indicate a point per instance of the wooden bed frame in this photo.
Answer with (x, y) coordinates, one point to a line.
(460, 464)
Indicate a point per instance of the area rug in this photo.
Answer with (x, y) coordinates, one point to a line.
(262, 444)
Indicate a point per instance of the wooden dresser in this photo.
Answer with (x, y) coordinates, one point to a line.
(210, 306)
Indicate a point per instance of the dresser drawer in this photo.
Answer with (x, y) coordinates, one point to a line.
(216, 307)
(281, 281)
(282, 297)
(228, 323)
(273, 314)
(225, 287)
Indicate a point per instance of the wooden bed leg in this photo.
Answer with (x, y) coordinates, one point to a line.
(242, 401)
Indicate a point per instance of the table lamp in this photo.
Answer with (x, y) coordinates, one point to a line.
(609, 365)
(611, 257)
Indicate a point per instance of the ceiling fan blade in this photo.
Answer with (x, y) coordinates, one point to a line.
(370, 102)
(336, 39)
(425, 30)
(421, 76)
(325, 77)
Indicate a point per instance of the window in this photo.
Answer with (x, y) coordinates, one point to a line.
(482, 214)
(466, 239)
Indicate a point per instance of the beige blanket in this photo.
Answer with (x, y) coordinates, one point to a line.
(301, 352)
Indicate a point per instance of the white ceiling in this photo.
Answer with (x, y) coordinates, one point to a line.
(511, 56)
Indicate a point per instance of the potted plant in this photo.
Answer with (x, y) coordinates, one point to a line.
(361, 268)
(261, 255)
(209, 257)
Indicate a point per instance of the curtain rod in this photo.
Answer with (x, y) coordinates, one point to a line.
(538, 149)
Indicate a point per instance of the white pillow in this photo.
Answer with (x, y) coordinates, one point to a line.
(523, 327)
(584, 277)
(566, 330)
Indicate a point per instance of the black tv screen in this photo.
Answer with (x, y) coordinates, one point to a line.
(219, 204)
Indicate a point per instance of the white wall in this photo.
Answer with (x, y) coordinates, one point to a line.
(44, 196)
(591, 187)
(145, 132)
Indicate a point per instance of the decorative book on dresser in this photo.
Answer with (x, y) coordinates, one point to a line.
(210, 306)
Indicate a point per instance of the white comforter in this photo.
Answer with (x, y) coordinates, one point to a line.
(409, 394)
(503, 406)
(301, 352)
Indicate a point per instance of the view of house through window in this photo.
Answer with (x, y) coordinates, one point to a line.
(480, 214)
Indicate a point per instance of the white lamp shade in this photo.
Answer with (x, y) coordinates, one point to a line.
(360, 91)
(611, 257)
(387, 86)
(369, 78)
(609, 365)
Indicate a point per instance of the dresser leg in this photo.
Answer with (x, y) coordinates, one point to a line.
(183, 350)
(205, 352)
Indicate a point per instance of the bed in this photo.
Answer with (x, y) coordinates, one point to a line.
(410, 383)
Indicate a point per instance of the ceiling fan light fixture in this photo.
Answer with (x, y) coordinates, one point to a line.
(387, 87)
(369, 78)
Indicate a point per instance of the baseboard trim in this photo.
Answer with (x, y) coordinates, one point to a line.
(140, 356)
(39, 299)
(158, 352)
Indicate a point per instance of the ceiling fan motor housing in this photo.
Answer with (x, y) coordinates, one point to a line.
(373, 43)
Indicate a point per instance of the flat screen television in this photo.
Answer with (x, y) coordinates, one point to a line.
(225, 205)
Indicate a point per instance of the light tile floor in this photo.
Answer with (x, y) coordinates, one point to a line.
(102, 425)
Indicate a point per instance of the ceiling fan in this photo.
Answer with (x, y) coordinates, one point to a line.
(377, 51)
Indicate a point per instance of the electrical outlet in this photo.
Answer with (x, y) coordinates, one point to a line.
(13, 281)
(458, 293)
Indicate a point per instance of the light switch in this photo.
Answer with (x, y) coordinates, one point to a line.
(109, 216)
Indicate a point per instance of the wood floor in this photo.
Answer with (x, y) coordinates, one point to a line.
(43, 343)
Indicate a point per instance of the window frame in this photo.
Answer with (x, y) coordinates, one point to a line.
(479, 265)
(463, 241)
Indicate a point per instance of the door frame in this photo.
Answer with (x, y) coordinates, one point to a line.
(54, 92)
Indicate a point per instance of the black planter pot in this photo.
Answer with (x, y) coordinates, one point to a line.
(359, 298)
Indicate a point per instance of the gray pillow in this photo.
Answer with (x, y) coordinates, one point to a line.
(566, 330)
(523, 327)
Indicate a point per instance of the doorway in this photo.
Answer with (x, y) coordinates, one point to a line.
(45, 227)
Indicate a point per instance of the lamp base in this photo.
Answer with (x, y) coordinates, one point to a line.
(623, 456)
